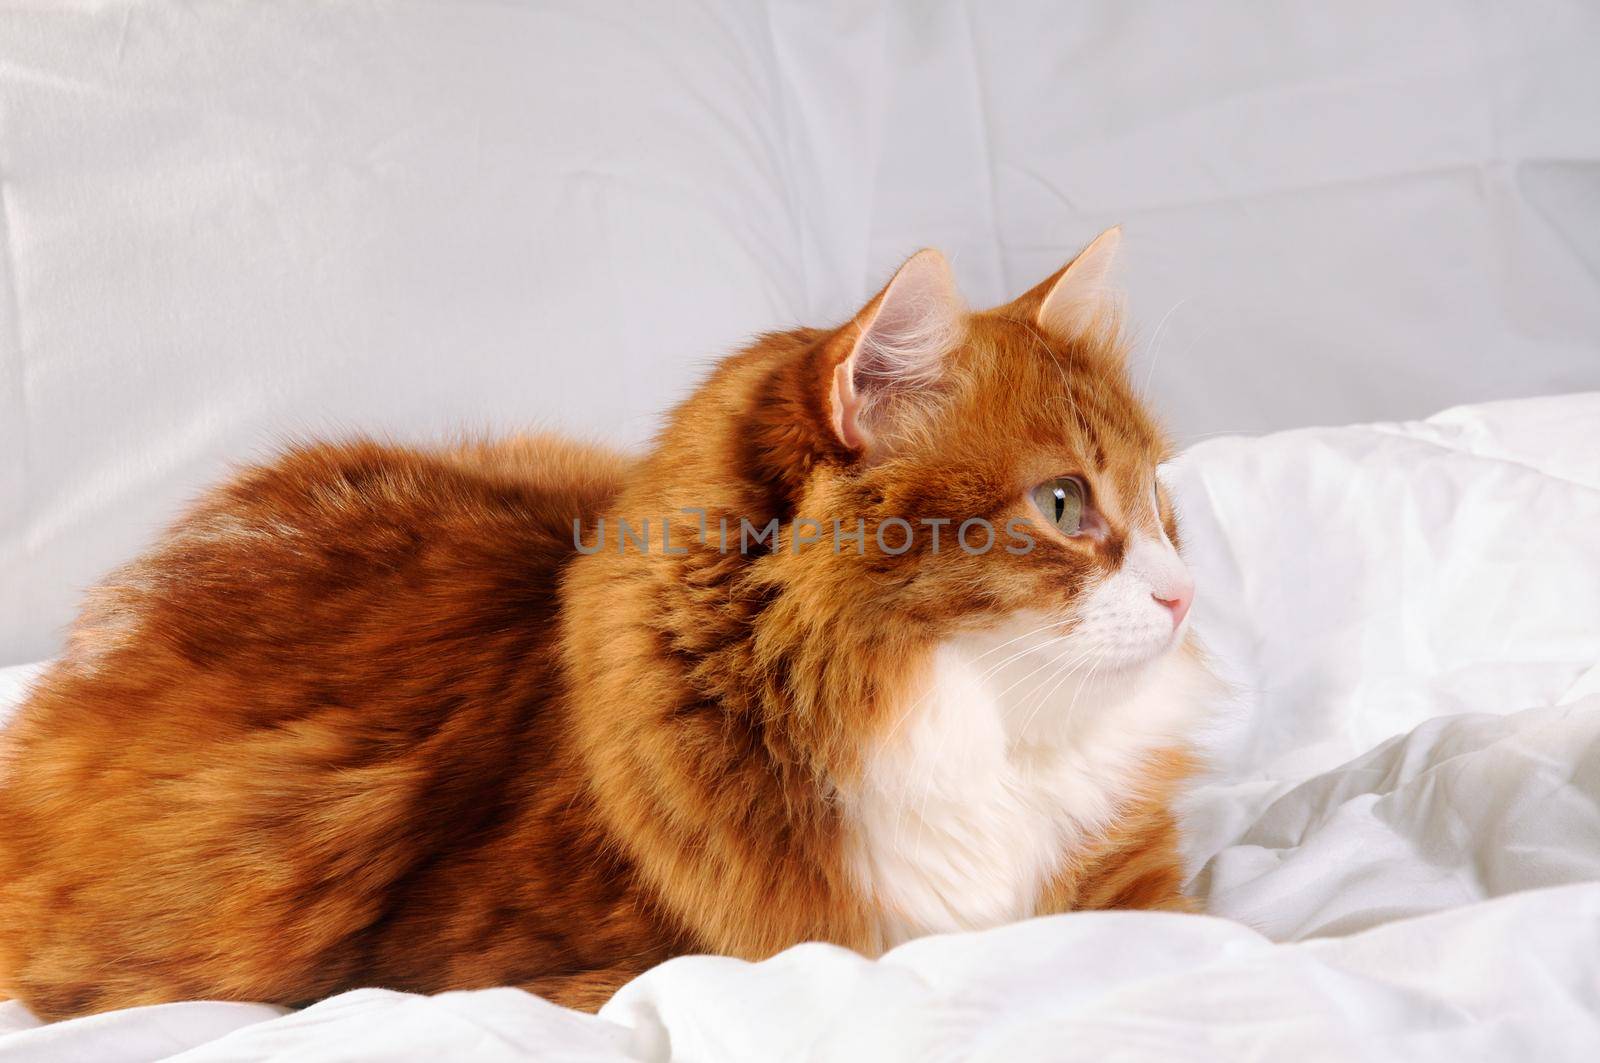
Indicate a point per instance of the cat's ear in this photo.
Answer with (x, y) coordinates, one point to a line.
(894, 348)
(1081, 298)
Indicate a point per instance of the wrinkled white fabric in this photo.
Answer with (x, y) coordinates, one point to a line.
(1513, 978)
(224, 224)
(1398, 845)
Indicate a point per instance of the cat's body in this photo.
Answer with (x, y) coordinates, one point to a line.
(208, 798)
(368, 716)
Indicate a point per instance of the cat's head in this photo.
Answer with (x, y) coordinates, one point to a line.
(1000, 464)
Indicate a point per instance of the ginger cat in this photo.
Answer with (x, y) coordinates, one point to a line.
(440, 719)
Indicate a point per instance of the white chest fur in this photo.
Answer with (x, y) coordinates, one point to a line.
(997, 770)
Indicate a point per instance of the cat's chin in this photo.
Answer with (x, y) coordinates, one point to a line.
(1169, 648)
(1125, 671)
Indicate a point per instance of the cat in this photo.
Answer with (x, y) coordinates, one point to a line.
(539, 713)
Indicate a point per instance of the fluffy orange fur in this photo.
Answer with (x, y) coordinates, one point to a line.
(366, 717)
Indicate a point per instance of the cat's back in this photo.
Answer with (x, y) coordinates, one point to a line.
(332, 669)
(336, 543)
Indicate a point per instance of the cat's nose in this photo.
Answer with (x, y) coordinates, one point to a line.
(1177, 599)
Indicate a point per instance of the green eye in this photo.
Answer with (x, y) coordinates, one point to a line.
(1061, 502)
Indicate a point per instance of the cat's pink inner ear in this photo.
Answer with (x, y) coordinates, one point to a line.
(901, 339)
(1084, 298)
(847, 409)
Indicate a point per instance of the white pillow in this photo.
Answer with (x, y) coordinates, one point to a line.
(228, 225)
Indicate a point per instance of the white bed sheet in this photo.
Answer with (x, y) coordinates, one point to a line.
(1399, 843)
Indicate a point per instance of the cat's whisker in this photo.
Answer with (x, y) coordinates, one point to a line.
(1036, 671)
(1155, 345)
(1083, 681)
(1018, 638)
(918, 702)
(1059, 678)
(1072, 706)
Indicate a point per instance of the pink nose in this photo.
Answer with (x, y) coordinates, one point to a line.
(1178, 604)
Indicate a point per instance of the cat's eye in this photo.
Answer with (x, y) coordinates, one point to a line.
(1061, 502)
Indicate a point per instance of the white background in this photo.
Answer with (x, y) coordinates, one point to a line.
(224, 225)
